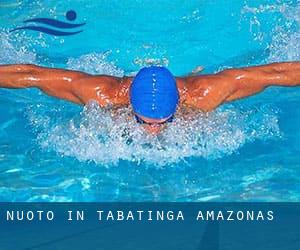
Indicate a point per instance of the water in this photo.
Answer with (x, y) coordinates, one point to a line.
(51, 150)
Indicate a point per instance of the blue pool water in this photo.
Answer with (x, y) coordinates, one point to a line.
(52, 150)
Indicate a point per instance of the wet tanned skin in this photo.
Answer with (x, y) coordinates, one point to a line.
(203, 92)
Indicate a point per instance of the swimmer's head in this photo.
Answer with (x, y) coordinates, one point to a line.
(154, 95)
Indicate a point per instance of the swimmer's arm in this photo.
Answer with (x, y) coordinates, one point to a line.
(74, 86)
(255, 79)
(54, 82)
(207, 92)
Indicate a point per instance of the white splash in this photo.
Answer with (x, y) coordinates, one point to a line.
(12, 51)
(285, 42)
(106, 136)
(95, 63)
(285, 45)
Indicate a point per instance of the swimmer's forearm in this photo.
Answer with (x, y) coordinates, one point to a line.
(29, 75)
(280, 74)
(16, 76)
(288, 74)
(54, 82)
(252, 80)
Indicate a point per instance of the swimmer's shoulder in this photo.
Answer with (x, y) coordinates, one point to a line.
(205, 92)
(104, 89)
(191, 85)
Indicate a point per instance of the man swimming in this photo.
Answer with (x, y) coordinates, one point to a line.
(153, 93)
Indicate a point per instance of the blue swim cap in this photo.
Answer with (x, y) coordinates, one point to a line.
(154, 93)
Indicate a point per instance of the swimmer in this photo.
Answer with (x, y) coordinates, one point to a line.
(154, 93)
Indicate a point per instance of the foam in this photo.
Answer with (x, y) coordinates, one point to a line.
(13, 51)
(285, 45)
(95, 63)
(107, 136)
(285, 37)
